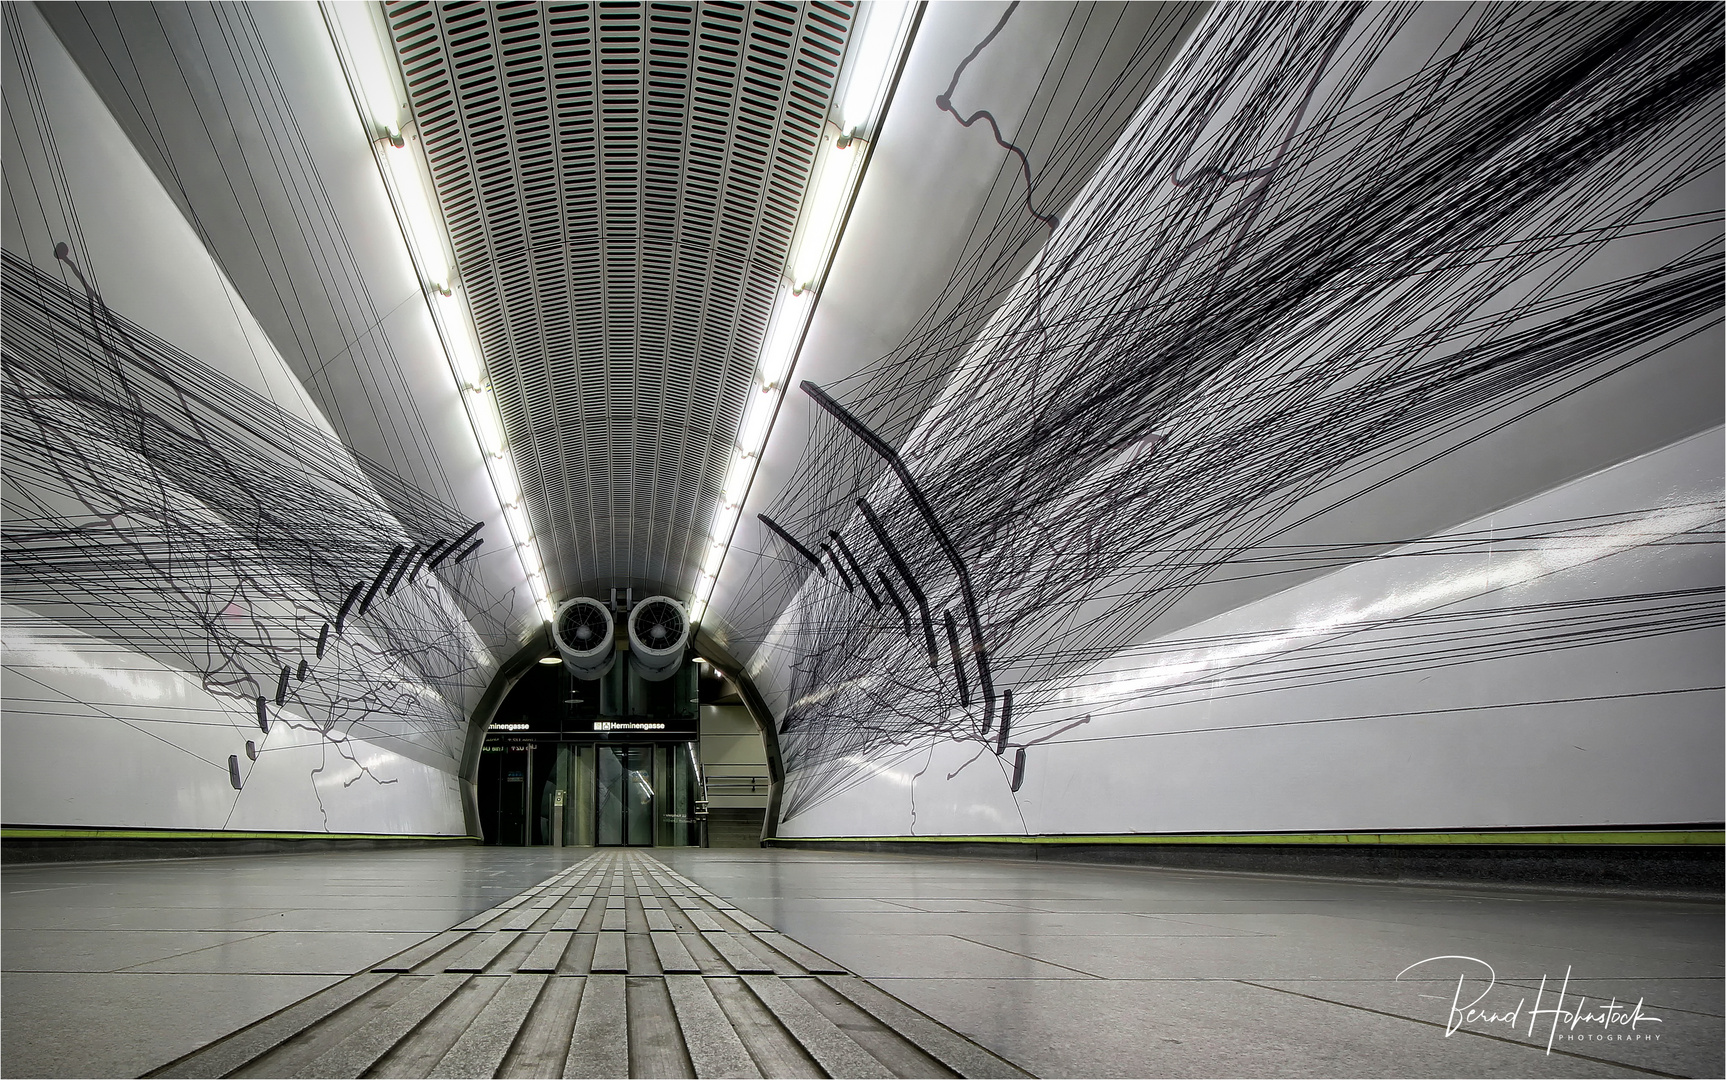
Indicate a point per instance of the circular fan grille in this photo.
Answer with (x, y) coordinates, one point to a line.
(658, 625)
(582, 627)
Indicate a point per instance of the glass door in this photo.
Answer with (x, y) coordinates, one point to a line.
(625, 795)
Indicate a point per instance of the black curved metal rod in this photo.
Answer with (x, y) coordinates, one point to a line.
(856, 568)
(378, 582)
(893, 595)
(348, 605)
(390, 589)
(425, 557)
(844, 578)
(900, 469)
(898, 561)
(814, 560)
(958, 659)
(433, 564)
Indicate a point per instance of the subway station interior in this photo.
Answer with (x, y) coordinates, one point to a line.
(862, 538)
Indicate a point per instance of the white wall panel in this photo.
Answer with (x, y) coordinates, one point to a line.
(1313, 477)
(117, 712)
(1370, 699)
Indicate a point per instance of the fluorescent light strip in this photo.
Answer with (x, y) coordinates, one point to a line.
(878, 48)
(831, 190)
(789, 315)
(370, 66)
(885, 22)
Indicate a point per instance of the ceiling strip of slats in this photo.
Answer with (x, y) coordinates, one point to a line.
(621, 183)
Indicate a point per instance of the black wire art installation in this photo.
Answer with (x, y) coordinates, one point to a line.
(155, 505)
(1329, 252)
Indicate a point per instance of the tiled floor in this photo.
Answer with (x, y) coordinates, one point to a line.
(115, 969)
(1074, 970)
(614, 967)
(111, 969)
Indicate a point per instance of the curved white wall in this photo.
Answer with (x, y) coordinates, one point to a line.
(154, 593)
(1472, 680)
(1507, 616)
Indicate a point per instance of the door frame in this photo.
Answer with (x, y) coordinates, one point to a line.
(598, 795)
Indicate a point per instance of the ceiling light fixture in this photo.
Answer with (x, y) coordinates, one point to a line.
(715, 554)
(368, 62)
(724, 519)
(503, 474)
(487, 426)
(424, 228)
(737, 477)
(516, 515)
(884, 23)
(789, 315)
(463, 353)
(757, 417)
(877, 48)
(830, 189)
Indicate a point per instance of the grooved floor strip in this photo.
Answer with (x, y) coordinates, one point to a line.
(361, 1050)
(615, 967)
(522, 917)
(674, 959)
(738, 955)
(547, 954)
(235, 1051)
(812, 961)
(571, 917)
(595, 1047)
(831, 1048)
(412, 957)
(608, 955)
(714, 1046)
(481, 1048)
(937, 1040)
(655, 1041)
(490, 945)
(543, 1045)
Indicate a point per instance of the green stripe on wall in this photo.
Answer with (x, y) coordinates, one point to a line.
(25, 832)
(1703, 837)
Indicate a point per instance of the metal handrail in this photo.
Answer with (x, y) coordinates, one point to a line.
(700, 779)
(737, 783)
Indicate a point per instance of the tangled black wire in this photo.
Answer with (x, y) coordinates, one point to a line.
(1334, 246)
(156, 505)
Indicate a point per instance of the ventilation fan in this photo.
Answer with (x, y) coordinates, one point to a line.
(658, 634)
(584, 635)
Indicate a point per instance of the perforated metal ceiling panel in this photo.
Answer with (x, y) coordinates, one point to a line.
(621, 183)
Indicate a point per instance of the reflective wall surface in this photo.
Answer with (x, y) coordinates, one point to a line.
(1279, 494)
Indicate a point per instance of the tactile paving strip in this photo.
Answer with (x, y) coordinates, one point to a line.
(617, 966)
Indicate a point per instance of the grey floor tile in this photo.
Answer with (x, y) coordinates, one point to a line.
(50, 916)
(1204, 1029)
(1171, 942)
(428, 920)
(1655, 1038)
(290, 953)
(127, 1024)
(935, 956)
(1163, 972)
(94, 950)
(1704, 996)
